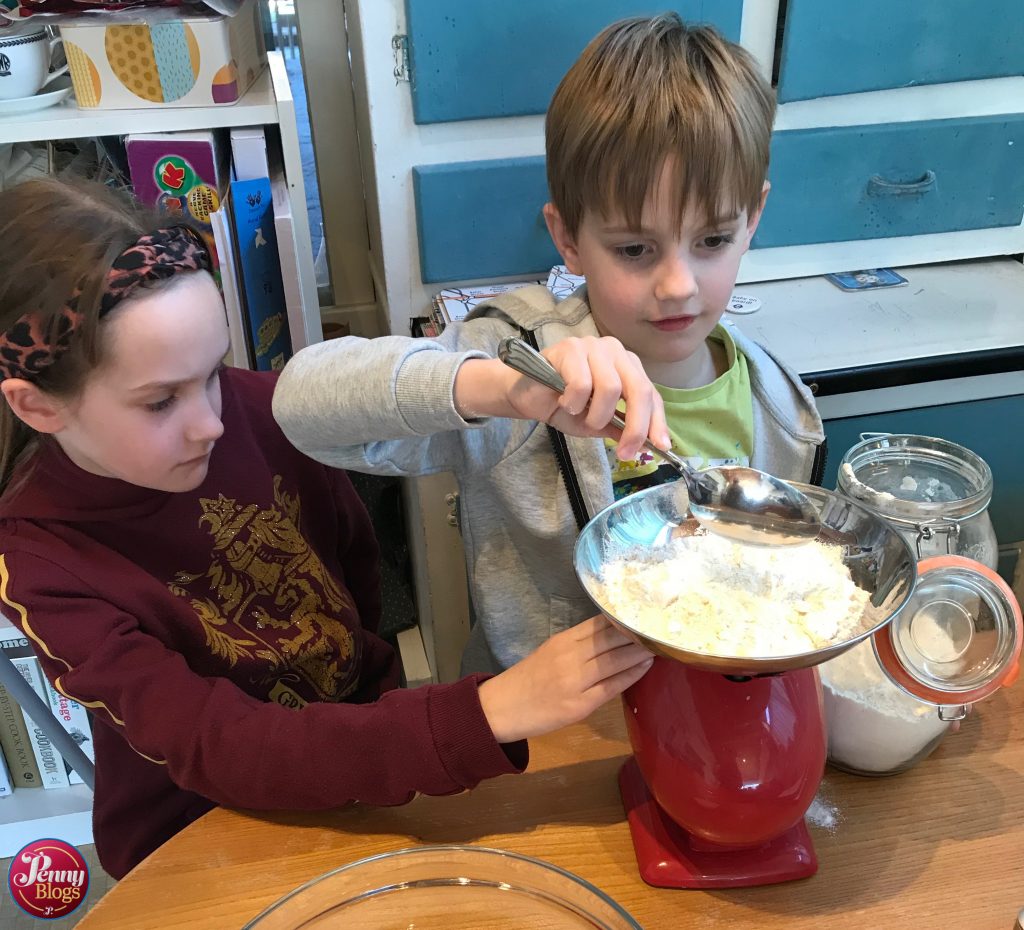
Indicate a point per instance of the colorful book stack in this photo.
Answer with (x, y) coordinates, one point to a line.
(225, 187)
(30, 760)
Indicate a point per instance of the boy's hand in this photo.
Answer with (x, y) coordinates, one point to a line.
(598, 372)
(563, 681)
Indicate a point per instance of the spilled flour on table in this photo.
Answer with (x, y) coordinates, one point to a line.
(823, 813)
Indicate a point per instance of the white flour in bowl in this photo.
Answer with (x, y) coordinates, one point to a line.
(706, 594)
(873, 726)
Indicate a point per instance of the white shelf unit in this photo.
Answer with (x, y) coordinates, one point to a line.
(67, 812)
(268, 102)
(35, 813)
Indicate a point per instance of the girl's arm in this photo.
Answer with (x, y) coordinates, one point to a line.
(233, 749)
(358, 549)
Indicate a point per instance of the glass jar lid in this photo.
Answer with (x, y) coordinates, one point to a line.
(958, 638)
(916, 478)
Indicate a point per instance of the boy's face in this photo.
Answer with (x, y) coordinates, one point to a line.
(659, 290)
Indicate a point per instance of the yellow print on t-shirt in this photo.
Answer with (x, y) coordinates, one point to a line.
(266, 582)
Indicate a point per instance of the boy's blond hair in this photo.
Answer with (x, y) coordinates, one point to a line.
(650, 88)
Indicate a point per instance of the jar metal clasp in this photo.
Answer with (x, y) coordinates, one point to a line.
(928, 531)
(952, 712)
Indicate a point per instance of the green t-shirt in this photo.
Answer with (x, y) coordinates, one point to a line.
(709, 425)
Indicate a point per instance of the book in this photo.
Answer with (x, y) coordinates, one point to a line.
(562, 282)
(6, 786)
(455, 303)
(182, 173)
(75, 719)
(14, 739)
(259, 264)
(52, 769)
(249, 153)
(240, 355)
(284, 225)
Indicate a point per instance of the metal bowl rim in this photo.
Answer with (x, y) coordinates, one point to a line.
(753, 664)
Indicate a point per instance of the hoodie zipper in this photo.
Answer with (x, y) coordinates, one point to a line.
(565, 466)
(820, 461)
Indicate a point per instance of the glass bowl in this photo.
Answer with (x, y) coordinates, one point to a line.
(445, 888)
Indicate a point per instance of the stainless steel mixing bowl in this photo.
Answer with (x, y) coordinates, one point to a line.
(879, 559)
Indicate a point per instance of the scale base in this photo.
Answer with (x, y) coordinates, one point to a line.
(669, 858)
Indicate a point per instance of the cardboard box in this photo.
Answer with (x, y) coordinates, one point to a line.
(189, 62)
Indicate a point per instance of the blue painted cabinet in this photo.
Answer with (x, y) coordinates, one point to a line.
(836, 184)
(482, 219)
(840, 47)
(842, 183)
(473, 59)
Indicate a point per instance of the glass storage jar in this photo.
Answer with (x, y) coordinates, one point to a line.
(890, 700)
(934, 492)
(874, 727)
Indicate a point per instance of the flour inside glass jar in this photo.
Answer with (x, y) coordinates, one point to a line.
(706, 594)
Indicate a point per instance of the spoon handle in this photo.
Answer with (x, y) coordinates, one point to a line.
(525, 359)
(528, 361)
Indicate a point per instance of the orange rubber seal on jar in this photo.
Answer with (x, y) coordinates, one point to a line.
(886, 652)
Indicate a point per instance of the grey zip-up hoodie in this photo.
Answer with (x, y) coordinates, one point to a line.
(385, 406)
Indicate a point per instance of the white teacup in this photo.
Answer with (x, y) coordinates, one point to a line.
(25, 64)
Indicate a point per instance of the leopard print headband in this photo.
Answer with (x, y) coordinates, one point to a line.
(33, 343)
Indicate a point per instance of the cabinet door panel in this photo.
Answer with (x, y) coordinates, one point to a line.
(482, 219)
(840, 47)
(988, 427)
(846, 183)
(472, 59)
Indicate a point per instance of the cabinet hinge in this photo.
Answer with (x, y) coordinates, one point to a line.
(400, 46)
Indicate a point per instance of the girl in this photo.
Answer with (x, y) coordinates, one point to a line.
(207, 591)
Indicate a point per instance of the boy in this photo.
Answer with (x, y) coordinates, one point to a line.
(657, 152)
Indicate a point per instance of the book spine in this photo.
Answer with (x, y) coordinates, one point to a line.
(230, 285)
(6, 787)
(259, 267)
(75, 719)
(50, 761)
(14, 739)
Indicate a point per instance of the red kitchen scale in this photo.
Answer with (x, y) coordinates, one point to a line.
(728, 753)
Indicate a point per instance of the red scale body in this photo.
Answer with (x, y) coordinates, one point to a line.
(722, 774)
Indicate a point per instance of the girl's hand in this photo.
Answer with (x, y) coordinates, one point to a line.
(598, 372)
(563, 681)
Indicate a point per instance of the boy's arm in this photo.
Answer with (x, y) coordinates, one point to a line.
(402, 406)
(387, 405)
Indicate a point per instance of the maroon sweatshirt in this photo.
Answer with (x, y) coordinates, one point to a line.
(223, 639)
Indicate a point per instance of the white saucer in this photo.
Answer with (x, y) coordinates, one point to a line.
(49, 96)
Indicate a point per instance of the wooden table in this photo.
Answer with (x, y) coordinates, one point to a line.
(938, 848)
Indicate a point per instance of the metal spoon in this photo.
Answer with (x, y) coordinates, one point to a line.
(741, 503)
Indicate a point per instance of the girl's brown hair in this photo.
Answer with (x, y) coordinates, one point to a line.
(59, 236)
(647, 89)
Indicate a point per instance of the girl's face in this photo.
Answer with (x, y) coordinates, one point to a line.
(150, 414)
